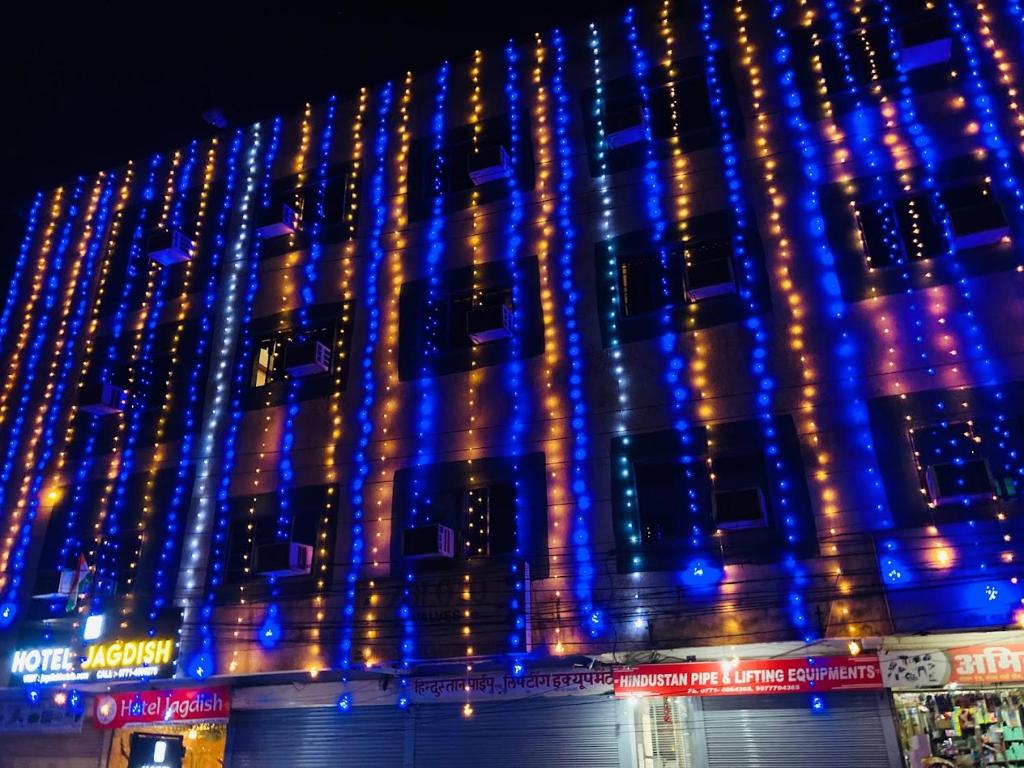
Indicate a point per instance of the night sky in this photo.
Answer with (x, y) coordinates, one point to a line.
(90, 85)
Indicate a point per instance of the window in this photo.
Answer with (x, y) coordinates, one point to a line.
(726, 489)
(457, 319)
(895, 231)
(707, 268)
(466, 319)
(478, 502)
(950, 463)
(739, 483)
(693, 272)
(975, 215)
(658, 495)
(283, 354)
(675, 107)
(253, 525)
(961, 469)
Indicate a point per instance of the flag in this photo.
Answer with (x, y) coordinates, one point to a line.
(79, 583)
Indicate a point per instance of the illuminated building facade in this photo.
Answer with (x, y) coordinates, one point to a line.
(691, 332)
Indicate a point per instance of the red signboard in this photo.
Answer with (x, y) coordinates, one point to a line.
(113, 710)
(747, 676)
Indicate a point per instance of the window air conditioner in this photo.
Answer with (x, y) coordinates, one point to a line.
(739, 508)
(53, 585)
(284, 558)
(307, 358)
(488, 324)
(169, 246)
(708, 270)
(925, 42)
(489, 163)
(282, 217)
(103, 399)
(428, 541)
(952, 482)
(624, 126)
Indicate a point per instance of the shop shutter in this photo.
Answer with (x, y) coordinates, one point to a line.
(782, 732)
(316, 737)
(54, 750)
(535, 733)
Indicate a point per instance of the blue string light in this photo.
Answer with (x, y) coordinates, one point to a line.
(39, 336)
(593, 618)
(675, 364)
(514, 381)
(81, 303)
(610, 276)
(365, 415)
(844, 349)
(107, 553)
(71, 541)
(286, 472)
(168, 550)
(764, 400)
(427, 407)
(203, 662)
(19, 266)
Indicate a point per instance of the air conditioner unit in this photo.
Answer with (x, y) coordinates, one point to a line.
(428, 541)
(280, 218)
(925, 42)
(489, 162)
(623, 127)
(952, 482)
(488, 324)
(738, 508)
(53, 585)
(708, 270)
(169, 246)
(983, 223)
(103, 399)
(307, 358)
(284, 558)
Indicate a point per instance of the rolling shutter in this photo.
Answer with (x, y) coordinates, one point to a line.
(316, 737)
(53, 750)
(854, 731)
(533, 733)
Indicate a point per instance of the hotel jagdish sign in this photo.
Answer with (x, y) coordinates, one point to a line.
(115, 660)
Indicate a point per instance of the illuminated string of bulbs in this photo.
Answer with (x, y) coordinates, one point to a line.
(31, 225)
(159, 447)
(73, 312)
(553, 442)
(331, 504)
(72, 543)
(368, 388)
(519, 597)
(388, 357)
(166, 559)
(269, 632)
(40, 335)
(108, 532)
(227, 403)
(426, 385)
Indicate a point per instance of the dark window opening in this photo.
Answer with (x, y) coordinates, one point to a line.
(893, 232)
(457, 319)
(707, 267)
(950, 463)
(643, 284)
(659, 500)
(286, 354)
(975, 215)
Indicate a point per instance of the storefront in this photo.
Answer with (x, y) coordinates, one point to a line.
(959, 706)
(46, 734)
(173, 728)
(776, 713)
(542, 718)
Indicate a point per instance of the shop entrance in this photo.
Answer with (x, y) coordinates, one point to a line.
(961, 728)
(188, 745)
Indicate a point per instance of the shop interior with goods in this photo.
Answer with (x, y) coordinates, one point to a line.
(961, 728)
